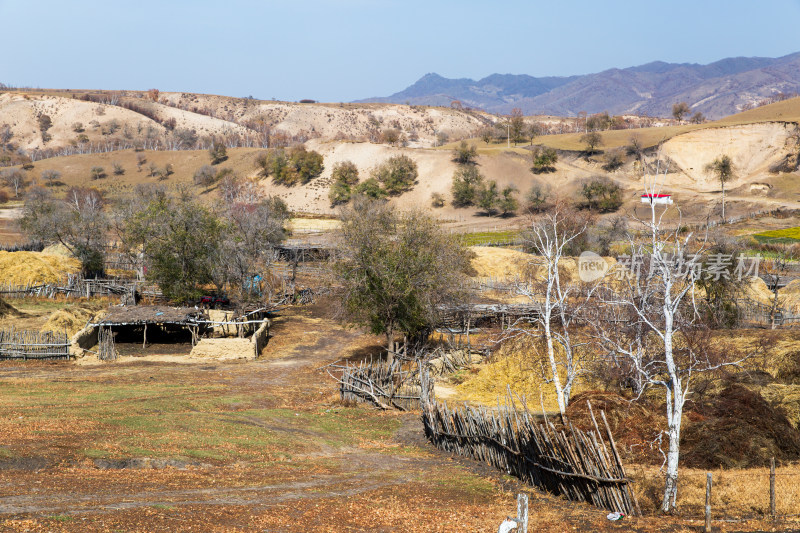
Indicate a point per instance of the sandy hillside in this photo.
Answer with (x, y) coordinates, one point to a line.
(753, 147)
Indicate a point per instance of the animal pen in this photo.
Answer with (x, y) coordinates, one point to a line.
(33, 344)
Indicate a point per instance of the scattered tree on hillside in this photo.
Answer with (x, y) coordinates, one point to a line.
(601, 194)
(507, 202)
(51, 177)
(487, 197)
(297, 166)
(680, 110)
(394, 269)
(390, 136)
(14, 178)
(77, 127)
(397, 174)
(517, 125)
(218, 153)
(117, 168)
(592, 140)
(537, 199)
(722, 169)
(543, 160)
(614, 160)
(370, 188)
(437, 200)
(487, 134)
(698, 118)
(78, 222)
(205, 176)
(465, 154)
(97, 173)
(141, 159)
(45, 122)
(467, 182)
(344, 176)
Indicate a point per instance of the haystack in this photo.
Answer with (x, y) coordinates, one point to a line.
(8, 310)
(225, 348)
(790, 295)
(71, 319)
(758, 291)
(21, 268)
(501, 263)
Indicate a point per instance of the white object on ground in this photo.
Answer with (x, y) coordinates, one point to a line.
(507, 526)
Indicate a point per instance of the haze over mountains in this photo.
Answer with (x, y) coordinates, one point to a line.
(717, 89)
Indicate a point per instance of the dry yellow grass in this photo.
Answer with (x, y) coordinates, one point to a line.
(492, 262)
(20, 268)
(225, 348)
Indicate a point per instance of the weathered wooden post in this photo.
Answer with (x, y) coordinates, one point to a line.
(772, 488)
(522, 513)
(708, 503)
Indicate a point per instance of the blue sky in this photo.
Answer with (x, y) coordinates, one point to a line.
(349, 49)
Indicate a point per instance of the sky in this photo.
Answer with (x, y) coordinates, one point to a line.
(343, 50)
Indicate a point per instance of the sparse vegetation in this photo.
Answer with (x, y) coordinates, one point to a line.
(601, 194)
(298, 166)
(397, 174)
(543, 160)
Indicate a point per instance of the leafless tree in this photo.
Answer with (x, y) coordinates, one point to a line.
(14, 178)
(550, 237)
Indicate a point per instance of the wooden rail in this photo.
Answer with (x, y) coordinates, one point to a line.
(33, 344)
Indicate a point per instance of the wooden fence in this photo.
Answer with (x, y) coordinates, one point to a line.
(377, 382)
(33, 345)
(581, 466)
(78, 287)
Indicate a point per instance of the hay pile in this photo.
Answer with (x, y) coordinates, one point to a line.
(20, 268)
(738, 428)
(72, 319)
(501, 263)
(225, 348)
(787, 397)
(8, 310)
(757, 290)
(790, 295)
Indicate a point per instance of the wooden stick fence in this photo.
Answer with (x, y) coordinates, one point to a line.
(384, 385)
(33, 345)
(105, 341)
(580, 465)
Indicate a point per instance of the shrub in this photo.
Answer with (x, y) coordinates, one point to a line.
(97, 173)
(51, 177)
(345, 176)
(298, 166)
(437, 200)
(204, 176)
(397, 174)
(117, 168)
(537, 199)
(370, 188)
(613, 160)
(601, 194)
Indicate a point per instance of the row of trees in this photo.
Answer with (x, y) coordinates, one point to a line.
(184, 243)
(392, 177)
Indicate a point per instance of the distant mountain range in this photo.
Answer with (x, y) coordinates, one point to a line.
(718, 89)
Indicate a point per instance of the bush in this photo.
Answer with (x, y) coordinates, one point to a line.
(344, 176)
(370, 188)
(117, 169)
(390, 135)
(205, 176)
(397, 174)
(52, 177)
(97, 173)
(437, 200)
(613, 160)
(601, 194)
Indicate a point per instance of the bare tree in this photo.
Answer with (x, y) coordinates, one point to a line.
(14, 178)
(680, 110)
(550, 237)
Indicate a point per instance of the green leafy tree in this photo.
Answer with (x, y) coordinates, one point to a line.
(601, 194)
(397, 174)
(722, 169)
(543, 160)
(395, 269)
(181, 240)
(537, 199)
(467, 182)
(465, 154)
(487, 197)
(507, 202)
(344, 176)
(370, 188)
(297, 166)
